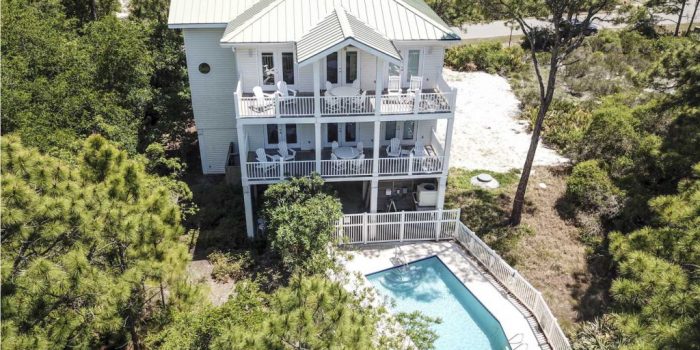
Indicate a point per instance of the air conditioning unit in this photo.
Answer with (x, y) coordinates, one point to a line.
(427, 195)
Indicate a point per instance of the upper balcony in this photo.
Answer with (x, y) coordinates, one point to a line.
(305, 104)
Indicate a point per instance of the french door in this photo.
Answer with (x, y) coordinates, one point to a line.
(346, 134)
(276, 133)
(343, 67)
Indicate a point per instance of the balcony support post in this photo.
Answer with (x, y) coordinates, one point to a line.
(248, 203)
(448, 145)
(374, 194)
(317, 115)
(378, 86)
(375, 149)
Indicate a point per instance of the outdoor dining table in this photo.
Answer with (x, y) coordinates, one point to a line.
(346, 152)
(344, 91)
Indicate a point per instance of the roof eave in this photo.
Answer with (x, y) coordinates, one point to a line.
(349, 41)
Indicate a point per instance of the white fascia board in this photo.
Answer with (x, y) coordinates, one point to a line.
(196, 25)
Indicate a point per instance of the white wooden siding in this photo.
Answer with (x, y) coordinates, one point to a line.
(212, 95)
(213, 148)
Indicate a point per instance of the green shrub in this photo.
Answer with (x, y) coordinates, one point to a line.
(590, 187)
(301, 216)
(544, 38)
(488, 56)
(610, 135)
(564, 125)
(228, 265)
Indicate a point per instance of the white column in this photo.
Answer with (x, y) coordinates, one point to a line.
(378, 86)
(248, 202)
(317, 114)
(317, 88)
(373, 195)
(317, 144)
(375, 149)
(448, 145)
(442, 188)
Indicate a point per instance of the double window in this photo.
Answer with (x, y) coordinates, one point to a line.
(270, 73)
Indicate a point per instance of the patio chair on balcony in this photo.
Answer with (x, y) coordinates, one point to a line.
(285, 152)
(415, 88)
(394, 148)
(359, 164)
(356, 84)
(334, 145)
(361, 148)
(284, 93)
(418, 149)
(263, 101)
(338, 166)
(358, 102)
(394, 88)
(265, 161)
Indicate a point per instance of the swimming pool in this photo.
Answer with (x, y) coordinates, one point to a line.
(430, 287)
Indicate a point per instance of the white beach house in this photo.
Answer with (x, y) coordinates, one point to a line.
(349, 89)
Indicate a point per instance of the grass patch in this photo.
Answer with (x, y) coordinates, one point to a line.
(486, 212)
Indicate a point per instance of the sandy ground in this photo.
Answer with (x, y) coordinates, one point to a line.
(487, 134)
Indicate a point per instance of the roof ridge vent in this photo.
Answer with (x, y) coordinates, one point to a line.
(344, 22)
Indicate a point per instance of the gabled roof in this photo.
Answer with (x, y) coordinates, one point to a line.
(270, 21)
(340, 29)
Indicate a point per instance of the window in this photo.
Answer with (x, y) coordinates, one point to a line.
(350, 66)
(291, 133)
(394, 70)
(288, 67)
(204, 68)
(390, 130)
(408, 129)
(350, 132)
(413, 64)
(332, 132)
(272, 135)
(332, 68)
(268, 72)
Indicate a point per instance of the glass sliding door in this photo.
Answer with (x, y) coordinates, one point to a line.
(332, 68)
(350, 132)
(351, 67)
(331, 132)
(412, 64)
(273, 137)
(290, 133)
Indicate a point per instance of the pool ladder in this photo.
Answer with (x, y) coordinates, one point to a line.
(516, 342)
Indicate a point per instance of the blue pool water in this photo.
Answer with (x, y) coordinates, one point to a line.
(430, 287)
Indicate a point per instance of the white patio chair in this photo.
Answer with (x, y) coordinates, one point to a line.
(263, 101)
(285, 93)
(394, 87)
(329, 87)
(356, 84)
(358, 102)
(394, 148)
(339, 166)
(415, 87)
(285, 152)
(359, 163)
(418, 149)
(334, 145)
(361, 148)
(264, 160)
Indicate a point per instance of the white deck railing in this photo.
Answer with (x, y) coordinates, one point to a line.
(444, 224)
(401, 226)
(304, 106)
(345, 167)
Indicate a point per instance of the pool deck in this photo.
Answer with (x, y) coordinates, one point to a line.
(377, 257)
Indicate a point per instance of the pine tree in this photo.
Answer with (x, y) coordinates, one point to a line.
(658, 290)
(91, 252)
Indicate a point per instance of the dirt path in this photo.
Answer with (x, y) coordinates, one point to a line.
(552, 258)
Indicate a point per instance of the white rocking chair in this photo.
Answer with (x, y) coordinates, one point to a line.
(263, 101)
(285, 152)
(394, 148)
(285, 94)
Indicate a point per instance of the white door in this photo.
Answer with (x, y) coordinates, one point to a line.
(350, 65)
(346, 134)
(276, 133)
(412, 65)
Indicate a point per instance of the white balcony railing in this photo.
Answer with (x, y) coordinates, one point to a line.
(260, 171)
(304, 106)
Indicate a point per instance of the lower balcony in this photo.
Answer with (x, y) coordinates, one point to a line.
(304, 164)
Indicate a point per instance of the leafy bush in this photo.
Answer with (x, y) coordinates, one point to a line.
(228, 265)
(489, 56)
(610, 135)
(301, 216)
(564, 125)
(417, 327)
(590, 187)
